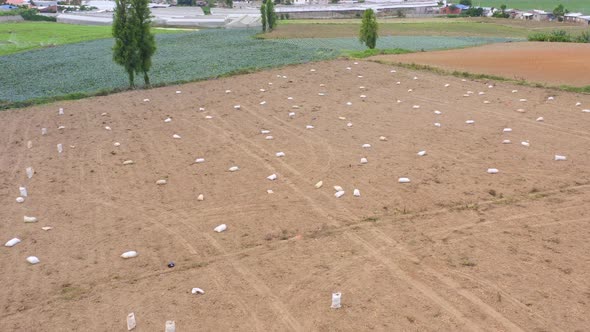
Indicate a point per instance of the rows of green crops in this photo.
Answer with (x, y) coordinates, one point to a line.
(412, 43)
(88, 68)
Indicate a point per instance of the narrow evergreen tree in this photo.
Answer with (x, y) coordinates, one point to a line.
(368, 33)
(263, 15)
(271, 15)
(145, 39)
(124, 51)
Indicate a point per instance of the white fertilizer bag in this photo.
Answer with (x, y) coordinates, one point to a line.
(33, 260)
(12, 242)
(30, 219)
(336, 300)
(131, 323)
(220, 228)
(129, 254)
(170, 326)
(197, 291)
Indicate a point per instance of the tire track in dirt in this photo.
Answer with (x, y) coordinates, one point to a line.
(442, 233)
(296, 132)
(515, 301)
(398, 272)
(496, 231)
(413, 282)
(258, 285)
(450, 283)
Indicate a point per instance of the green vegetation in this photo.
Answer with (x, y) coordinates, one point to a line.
(32, 14)
(24, 36)
(472, 27)
(368, 32)
(560, 36)
(548, 5)
(375, 51)
(263, 16)
(502, 12)
(82, 69)
(559, 12)
(134, 43)
(145, 38)
(28, 14)
(411, 43)
(473, 12)
(268, 15)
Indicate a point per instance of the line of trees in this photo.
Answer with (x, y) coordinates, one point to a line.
(134, 42)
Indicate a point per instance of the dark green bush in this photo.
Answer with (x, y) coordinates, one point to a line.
(13, 12)
(583, 38)
(538, 36)
(560, 36)
(473, 12)
(31, 15)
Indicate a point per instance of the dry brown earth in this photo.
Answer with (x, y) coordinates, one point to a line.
(552, 63)
(457, 249)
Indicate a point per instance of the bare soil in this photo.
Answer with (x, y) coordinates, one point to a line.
(553, 63)
(456, 249)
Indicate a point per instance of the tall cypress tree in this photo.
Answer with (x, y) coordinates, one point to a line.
(124, 51)
(145, 39)
(271, 15)
(368, 33)
(263, 15)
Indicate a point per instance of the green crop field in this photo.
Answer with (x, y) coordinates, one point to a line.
(87, 67)
(454, 27)
(23, 36)
(548, 5)
(411, 43)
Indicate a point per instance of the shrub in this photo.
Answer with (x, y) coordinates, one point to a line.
(31, 15)
(473, 12)
(13, 12)
(560, 36)
(583, 38)
(538, 36)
